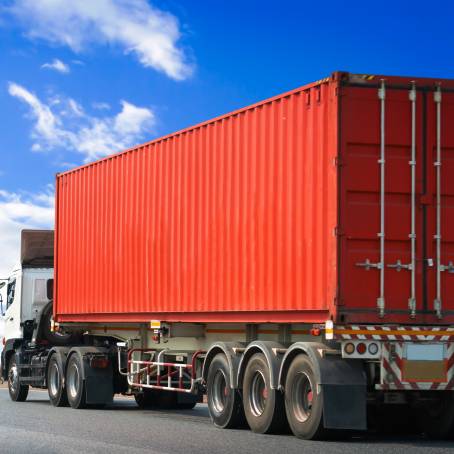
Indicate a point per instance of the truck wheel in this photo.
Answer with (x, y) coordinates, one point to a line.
(75, 384)
(224, 403)
(146, 399)
(17, 392)
(55, 386)
(303, 404)
(437, 419)
(263, 406)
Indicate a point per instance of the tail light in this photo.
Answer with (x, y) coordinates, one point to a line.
(361, 348)
(99, 362)
(349, 348)
(373, 348)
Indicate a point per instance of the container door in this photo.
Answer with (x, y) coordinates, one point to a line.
(440, 204)
(381, 186)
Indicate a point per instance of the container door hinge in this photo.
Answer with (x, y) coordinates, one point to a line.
(338, 231)
(338, 161)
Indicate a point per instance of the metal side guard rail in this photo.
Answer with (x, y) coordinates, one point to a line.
(159, 374)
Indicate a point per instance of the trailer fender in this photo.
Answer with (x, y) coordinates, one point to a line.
(233, 358)
(343, 381)
(273, 358)
(98, 381)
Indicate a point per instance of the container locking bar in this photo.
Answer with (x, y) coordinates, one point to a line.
(412, 235)
(381, 234)
(437, 236)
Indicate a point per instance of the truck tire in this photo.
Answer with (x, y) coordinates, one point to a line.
(303, 405)
(55, 383)
(186, 405)
(17, 392)
(75, 384)
(56, 338)
(146, 399)
(168, 400)
(224, 403)
(263, 406)
(437, 420)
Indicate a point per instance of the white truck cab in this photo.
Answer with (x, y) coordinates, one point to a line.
(30, 285)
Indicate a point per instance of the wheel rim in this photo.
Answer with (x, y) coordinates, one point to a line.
(258, 394)
(302, 397)
(54, 380)
(220, 391)
(13, 378)
(73, 380)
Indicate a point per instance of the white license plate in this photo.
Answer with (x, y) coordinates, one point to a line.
(425, 352)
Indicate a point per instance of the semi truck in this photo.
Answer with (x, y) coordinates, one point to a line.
(291, 261)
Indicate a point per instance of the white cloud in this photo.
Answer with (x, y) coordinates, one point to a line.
(21, 211)
(133, 25)
(63, 124)
(75, 108)
(57, 65)
(47, 130)
(101, 106)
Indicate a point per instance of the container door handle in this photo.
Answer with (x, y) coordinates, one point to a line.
(367, 264)
(449, 267)
(401, 266)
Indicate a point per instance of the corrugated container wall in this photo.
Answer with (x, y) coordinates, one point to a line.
(230, 220)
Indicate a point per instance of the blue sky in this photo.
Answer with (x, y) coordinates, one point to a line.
(83, 79)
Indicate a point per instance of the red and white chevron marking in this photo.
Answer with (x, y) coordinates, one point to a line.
(392, 370)
(395, 333)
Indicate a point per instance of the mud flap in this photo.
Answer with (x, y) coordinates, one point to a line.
(344, 407)
(99, 389)
(344, 394)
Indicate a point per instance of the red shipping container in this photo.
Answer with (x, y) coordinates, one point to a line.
(273, 213)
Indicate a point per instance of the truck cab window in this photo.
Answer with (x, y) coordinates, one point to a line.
(10, 293)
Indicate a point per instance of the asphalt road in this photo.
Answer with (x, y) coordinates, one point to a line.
(37, 427)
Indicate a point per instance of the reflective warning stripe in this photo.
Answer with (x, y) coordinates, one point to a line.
(393, 333)
(391, 370)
